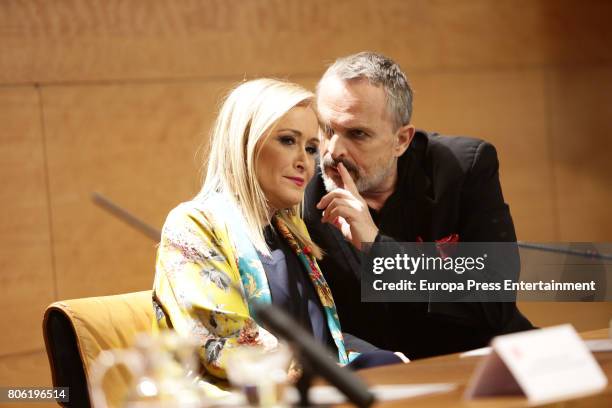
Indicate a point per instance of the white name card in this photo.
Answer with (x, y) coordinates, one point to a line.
(545, 365)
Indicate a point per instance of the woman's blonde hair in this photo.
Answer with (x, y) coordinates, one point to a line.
(247, 117)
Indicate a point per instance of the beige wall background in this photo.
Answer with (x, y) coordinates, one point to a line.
(117, 97)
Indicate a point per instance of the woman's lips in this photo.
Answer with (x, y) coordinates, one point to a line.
(298, 181)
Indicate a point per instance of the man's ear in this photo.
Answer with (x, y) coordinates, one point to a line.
(404, 137)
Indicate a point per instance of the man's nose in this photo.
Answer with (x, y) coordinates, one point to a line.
(335, 146)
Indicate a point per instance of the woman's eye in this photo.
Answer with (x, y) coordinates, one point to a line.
(312, 150)
(286, 140)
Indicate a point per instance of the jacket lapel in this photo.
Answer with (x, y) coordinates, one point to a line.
(419, 191)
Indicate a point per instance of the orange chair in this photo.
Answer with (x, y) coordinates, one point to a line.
(77, 330)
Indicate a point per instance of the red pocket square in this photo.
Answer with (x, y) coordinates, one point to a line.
(444, 245)
(452, 238)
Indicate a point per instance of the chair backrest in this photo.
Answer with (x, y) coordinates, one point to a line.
(77, 330)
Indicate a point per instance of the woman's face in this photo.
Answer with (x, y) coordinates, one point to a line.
(286, 160)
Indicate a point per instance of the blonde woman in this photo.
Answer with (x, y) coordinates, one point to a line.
(243, 230)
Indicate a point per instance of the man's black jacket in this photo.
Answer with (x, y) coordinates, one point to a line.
(446, 185)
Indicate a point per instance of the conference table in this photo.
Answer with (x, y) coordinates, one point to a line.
(458, 370)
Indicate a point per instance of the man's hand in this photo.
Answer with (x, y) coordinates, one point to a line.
(347, 210)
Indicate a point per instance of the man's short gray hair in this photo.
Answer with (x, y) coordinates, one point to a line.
(379, 71)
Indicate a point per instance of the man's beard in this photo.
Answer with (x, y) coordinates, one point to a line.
(364, 183)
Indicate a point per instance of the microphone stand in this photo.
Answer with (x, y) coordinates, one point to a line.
(125, 216)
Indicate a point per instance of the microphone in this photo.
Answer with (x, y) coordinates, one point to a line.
(314, 357)
(127, 217)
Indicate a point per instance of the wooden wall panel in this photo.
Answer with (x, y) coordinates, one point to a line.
(94, 40)
(137, 145)
(26, 276)
(25, 369)
(130, 88)
(508, 109)
(581, 133)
